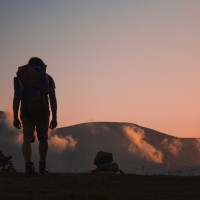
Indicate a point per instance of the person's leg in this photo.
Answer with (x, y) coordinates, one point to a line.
(43, 148)
(26, 150)
(42, 133)
(28, 131)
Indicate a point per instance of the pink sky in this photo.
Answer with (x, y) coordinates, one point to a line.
(123, 61)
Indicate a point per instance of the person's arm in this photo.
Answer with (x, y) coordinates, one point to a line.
(53, 103)
(16, 103)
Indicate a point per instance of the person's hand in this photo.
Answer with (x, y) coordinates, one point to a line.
(17, 123)
(53, 124)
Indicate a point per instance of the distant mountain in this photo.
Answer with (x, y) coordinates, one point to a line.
(136, 149)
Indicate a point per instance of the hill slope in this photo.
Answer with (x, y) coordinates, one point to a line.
(136, 149)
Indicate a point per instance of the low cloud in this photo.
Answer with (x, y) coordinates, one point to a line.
(174, 147)
(60, 144)
(139, 146)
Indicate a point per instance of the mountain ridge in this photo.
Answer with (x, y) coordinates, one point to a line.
(73, 148)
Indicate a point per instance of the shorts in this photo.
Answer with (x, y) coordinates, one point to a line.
(41, 127)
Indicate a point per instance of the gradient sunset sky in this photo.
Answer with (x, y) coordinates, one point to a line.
(132, 61)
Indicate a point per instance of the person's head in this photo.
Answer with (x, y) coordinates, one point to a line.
(35, 61)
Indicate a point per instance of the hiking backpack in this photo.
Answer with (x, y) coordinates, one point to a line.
(103, 158)
(32, 87)
(104, 162)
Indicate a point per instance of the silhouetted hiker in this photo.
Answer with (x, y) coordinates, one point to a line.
(33, 89)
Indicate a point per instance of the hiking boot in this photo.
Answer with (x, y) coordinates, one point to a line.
(30, 169)
(42, 168)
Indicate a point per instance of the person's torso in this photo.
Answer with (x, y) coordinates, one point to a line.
(39, 105)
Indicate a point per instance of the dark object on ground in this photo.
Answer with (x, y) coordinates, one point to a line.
(103, 158)
(104, 162)
(113, 167)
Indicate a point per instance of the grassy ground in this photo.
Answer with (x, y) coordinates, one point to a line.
(98, 186)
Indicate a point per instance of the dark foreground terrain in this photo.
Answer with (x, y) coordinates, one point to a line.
(98, 186)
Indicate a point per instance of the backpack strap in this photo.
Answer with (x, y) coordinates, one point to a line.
(18, 87)
(45, 89)
(21, 86)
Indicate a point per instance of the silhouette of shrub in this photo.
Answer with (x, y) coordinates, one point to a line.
(6, 163)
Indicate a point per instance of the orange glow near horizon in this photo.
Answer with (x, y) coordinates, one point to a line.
(170, 128)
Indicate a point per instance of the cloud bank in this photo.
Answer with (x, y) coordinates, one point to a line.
(60, 144)
(139, 146)
(174, 147)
